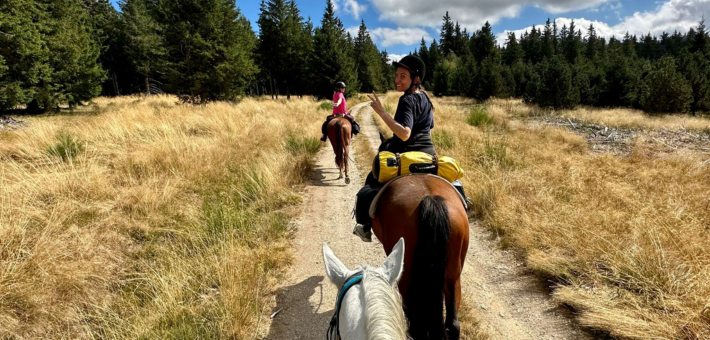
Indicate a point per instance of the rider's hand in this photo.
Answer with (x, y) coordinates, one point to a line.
(376, 104)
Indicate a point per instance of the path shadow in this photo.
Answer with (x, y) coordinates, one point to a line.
(298, 317)
(326, 177)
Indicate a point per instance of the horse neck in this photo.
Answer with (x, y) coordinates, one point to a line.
(384, 314)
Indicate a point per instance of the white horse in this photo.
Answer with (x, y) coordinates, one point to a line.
(372, 308)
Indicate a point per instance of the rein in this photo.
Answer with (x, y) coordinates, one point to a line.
(333, 332)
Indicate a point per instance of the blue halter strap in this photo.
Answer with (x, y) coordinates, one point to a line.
(333, 332)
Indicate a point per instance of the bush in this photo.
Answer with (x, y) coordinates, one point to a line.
(665, 89)
(302, 145)
(67, 147)
(325, 106)
(479, 117)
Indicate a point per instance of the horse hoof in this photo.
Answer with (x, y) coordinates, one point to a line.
(347, 180)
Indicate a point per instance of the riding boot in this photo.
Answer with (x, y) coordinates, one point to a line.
(324, 130)
(459, 187)
(356, 128)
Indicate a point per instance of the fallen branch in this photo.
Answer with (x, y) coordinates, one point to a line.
(570, 121)
(670, 146)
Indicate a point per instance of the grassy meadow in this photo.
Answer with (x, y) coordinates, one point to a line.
(624, 240)
(141, 218)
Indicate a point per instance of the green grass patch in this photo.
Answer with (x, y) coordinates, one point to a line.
(67, 146)
(302, 145)
(479, 117)
(443, 140)
(497, 152)
(325, 106)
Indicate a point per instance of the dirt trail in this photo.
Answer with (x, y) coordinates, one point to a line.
(508, 303)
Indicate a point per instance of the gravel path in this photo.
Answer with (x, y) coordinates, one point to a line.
(507, 302)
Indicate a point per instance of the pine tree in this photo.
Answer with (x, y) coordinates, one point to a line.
(513, 52)
(301, 33)
(108, 32)
(548, 40)
(331, 62)
(144, 39)
(447, 36)
(665, 89)
(701, 41)
(24, 53)
(210, 49)
(555, 88)
(368, 62)
(76, 74)
(284, 45)
(572, 44)
(484, 44)
(695, 67)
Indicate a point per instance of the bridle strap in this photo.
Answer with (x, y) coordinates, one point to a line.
(333, 332)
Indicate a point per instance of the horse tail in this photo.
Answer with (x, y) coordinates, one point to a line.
(426, 302)
(338, 144)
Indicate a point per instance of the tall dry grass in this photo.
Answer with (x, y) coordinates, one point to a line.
(143, 218)
(626, 241)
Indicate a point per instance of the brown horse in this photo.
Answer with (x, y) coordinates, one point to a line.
(429, 214)
(339, 135)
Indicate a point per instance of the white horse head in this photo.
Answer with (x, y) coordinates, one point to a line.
(372, 309)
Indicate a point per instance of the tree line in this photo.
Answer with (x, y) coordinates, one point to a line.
(561, 68)
(65, 52)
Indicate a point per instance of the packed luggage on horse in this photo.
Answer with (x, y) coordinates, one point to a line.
(414, 194)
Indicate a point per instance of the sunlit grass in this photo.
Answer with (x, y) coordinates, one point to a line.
(144, 218)
(624, 240)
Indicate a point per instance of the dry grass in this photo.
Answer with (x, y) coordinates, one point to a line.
(142, 218)
(617, 118)
(626, 239)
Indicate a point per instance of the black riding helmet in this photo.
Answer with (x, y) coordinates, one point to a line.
(415, 66)
(340, 85)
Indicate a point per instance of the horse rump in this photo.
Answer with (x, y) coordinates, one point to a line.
(425, 302)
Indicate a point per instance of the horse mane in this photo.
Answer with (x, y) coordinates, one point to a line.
(384, 314)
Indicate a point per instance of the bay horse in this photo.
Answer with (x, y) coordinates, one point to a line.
(369, 306)
(339, 129)
(427, 212)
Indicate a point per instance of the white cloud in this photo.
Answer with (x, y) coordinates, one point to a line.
(353, 31)
(386, 37)
(395, 57)
(673, 15)
(350, 6)
(470, 14)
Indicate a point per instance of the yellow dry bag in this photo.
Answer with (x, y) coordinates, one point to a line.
(388, 165)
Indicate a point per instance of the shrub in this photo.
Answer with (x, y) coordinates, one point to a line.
(479, 117)
(67, 146)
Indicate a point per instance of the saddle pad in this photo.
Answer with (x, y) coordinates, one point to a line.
(373, 206)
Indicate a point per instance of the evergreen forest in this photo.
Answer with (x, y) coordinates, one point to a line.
(59, 53)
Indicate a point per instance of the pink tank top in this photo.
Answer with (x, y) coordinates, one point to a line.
(342, 108)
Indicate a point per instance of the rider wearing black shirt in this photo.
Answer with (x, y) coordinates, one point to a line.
(411, 125)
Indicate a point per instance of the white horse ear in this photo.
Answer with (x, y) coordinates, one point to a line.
(334, 268)
(394, 264)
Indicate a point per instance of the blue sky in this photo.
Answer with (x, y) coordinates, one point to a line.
(399, 25)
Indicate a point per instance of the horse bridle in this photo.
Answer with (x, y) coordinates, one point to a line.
(333, 332)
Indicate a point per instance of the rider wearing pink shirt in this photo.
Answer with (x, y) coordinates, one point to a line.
(340, 107)
(339, 102)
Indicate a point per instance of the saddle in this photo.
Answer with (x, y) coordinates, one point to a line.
(373, 205)
(355, 126)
